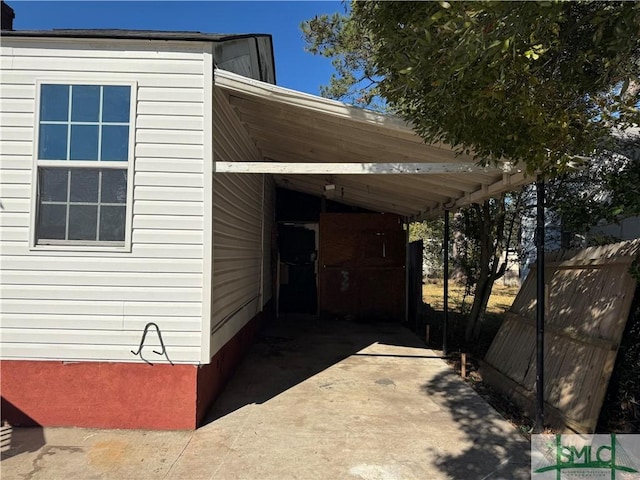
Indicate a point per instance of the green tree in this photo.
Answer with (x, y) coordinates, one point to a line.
(339, 38)
(486, 234)
(621, 175)
(540, 83)
(536, 83)
(607, 190)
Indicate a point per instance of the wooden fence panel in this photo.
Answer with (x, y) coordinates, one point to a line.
(589, 294)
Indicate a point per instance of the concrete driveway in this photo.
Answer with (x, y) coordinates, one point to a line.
(313, 400)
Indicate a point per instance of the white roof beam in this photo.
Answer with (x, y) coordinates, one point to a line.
(506, 184)
(320, 168)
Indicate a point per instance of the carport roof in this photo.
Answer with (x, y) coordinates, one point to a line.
(310, 142)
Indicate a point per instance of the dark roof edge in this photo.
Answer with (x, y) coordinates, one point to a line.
(132, 35)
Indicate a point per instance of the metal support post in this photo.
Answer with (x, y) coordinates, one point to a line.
(540, 304)
(445, 250)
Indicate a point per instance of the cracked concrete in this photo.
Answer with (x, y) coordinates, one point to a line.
(313, 400)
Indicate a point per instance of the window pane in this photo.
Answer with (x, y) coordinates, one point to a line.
(53, 184)
(53, 142)
(115, 104)
(84, 185)
(54, 103)
(85, 103)
(84, 142)
(114, 186)
(115, 142)
(112, 222)
(51, 224)
(87, 123)
(83, 222)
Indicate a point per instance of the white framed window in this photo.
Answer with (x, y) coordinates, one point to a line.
(83, 164)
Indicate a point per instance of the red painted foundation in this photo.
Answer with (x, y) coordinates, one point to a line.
(118, 395)
(105, 395)
(212, 377)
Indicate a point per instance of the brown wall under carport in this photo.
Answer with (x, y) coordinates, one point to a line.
(362, 271)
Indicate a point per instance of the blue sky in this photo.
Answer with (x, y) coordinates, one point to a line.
(295, 68)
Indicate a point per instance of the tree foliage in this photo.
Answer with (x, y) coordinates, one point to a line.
(540, 83)
(622, 177)
(485, 234)
(339, 38)
(607, 191)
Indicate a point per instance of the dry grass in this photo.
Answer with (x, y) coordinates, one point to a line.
(501, 298)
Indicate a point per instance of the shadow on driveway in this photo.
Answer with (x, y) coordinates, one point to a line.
(293, 348)
(349, 398)
(493, 442)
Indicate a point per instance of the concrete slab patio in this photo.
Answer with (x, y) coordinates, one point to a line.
(313, 400)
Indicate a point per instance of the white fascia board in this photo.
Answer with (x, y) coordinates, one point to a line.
(290, 168)
(248, 86)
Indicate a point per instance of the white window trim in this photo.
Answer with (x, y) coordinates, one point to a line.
(84, 246)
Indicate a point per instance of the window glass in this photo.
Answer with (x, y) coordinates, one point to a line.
(84, 185)
(114, 186)
(112, 222)
(85, 103)
(84, 142)
(54, 103)
(115, 143)
(53, 184)
(88, 123)
(52, 221)
(53, 142)
(82, 222)
(116, 101)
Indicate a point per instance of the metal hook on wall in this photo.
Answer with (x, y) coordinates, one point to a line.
(144, 336)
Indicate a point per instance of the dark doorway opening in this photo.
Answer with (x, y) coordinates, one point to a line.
(298, 291)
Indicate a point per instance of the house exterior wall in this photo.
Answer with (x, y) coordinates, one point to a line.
(250, 57)
(195, 260)
(243, 219)
(71, 315)
(70, 303)
(625, 229)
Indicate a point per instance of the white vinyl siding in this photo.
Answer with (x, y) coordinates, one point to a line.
(75, 304)
(237, 242)
(241, 237)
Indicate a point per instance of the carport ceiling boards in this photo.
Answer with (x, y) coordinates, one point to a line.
(309, 142)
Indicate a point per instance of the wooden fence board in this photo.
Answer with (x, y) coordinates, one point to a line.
(589, 297)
